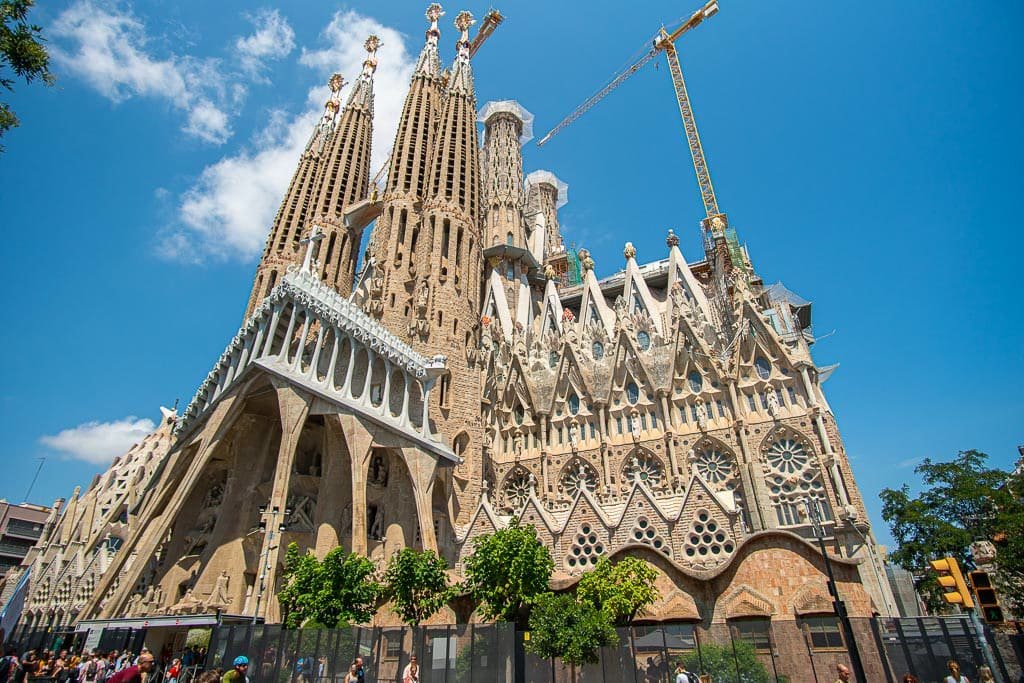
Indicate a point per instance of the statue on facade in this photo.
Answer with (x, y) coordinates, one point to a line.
(219, 598)
(773, 402)
(702, 416)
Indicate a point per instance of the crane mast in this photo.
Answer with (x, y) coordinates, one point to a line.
(715, 222)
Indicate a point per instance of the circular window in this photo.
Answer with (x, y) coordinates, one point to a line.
(644, 340)
(598, 350)
(632, 393)
(552, 359)
(764, 368)
(696, 381)
(574, 403)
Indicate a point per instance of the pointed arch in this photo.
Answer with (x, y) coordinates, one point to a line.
(793, 474)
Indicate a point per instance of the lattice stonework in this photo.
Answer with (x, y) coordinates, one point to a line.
(793, 477)
(643, 532)
(585, 550)
(643, 468)
(706, 542)
(576, 476)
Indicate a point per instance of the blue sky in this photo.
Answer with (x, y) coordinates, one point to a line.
(869, 158)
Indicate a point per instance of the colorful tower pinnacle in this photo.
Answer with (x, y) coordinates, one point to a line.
(282, 247)
(343, 179)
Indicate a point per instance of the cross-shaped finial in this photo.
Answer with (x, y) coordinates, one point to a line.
(314, 237)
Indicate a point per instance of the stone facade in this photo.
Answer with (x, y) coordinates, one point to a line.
(671, 410)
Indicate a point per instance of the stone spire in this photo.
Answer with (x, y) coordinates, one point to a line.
(282, 247)
(445, 317)
(344, 178)
(545, 194)
(396, 237)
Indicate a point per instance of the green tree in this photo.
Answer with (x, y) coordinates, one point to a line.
(417, 583)
(960, 501)
(339, 590)
(621, 589)
(728, 663)
(22, 54)
(508, 571)
(561, 626)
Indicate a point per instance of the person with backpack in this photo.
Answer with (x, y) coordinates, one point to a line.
(8, 665)
(133, 674)
(90, 668)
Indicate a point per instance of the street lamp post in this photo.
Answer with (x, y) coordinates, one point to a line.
(837, 604)
(267, 525)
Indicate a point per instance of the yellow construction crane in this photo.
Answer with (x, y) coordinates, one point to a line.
(665, 42)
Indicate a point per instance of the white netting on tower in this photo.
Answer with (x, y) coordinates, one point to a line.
(549, 178)
(509, 107)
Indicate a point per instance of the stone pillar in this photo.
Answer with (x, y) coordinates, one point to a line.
(422, 467)
(331, 500)
(294, 407)
(360, 444)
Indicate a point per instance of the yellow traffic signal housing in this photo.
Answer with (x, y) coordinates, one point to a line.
(988, 601)
(950, 578)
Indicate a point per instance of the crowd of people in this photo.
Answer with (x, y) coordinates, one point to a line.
(75, 666)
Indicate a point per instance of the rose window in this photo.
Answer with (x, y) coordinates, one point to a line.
(644, 468)
(586, 548)
(787, 455)
(578, 476)
(517, 489)
(714, 466)
(644, 533)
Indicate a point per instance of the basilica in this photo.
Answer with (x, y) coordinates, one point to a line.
(468, 370)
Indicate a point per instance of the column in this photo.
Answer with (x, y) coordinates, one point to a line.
(294, 409)
(272, 329)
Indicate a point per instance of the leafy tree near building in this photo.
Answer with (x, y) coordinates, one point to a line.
(336, 591)
(961, 501)
(621, 589)
(562, 626)
(417, 583)
(508, 571)
(22, 54)
(729, 662)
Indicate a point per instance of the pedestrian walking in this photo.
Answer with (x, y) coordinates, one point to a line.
(954, 674)
(353, 674)
(412, 671)
(173, 671)
(985, 675)
(8, 665)
(842, 673)
(238, 673)
(909, 678)
(360, 669)
(134, 673)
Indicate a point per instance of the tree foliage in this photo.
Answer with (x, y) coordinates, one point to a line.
(508, 571)
(417, 583)
(562, 626)
(727, 663)
(339, 590)
(22, 54)
(961, 501)
(621, 589)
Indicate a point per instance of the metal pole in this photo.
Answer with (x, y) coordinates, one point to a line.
(837, 604)
(985, 648)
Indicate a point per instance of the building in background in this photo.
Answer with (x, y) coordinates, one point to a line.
(21, 526)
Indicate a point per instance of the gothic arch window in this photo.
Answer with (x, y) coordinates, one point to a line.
(573, 401)
(793, 477)
(576, 476)
(644, 467)
(696, 381)
(763, 367)
(632, 393)
(643, 339)
(597, 350)
(460, 444)
(517, 488)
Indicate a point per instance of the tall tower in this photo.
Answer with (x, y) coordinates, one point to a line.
(344, 177)
(396, 237)
(447, 300)
(545, 195)
(282, 247)
(507, 126)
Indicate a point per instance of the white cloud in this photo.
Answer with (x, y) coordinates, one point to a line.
(108, 48)
(228, 210)
(273, 39)
(100, 442)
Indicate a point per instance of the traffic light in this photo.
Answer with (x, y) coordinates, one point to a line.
(988, 602)
(950, 578)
